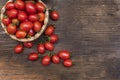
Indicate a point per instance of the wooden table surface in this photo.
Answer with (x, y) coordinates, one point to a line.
(90, 29)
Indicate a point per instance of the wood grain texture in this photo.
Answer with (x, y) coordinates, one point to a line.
(88, 28)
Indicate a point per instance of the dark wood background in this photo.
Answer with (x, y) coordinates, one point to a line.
(88, 28)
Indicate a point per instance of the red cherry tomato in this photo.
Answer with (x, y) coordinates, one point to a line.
(6, 20)
(40, 7)
(22, 16)
(18, 48)
(41, 48)
(46, 60)
(31, 8)
(33, 56)
(31, 32)
(26, 26)
(53, 38)
(64, 54)
(55, 59)
(20, 34)
(41, 16)
(37, 26)
(49, 46)
(10, 5)
(28, 44)
(33, 17)
(19, 4)
(12, 13)
(54, 15)
(68, 63)
(11, 29)
(50, 30)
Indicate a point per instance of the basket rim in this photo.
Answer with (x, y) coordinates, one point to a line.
(37, 35)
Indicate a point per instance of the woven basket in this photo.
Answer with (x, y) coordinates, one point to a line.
(38, 34)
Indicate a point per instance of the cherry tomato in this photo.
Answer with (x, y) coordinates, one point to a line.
(26, 26)
(33, 56)
(6, 20)
(31, 32)
(22, 16)
(12, 13)
(19, 4)
(41, 16)
(50, 30)
(28, 44)
(31, 8)
(55, 59)
(11, 29)
(54, 15)
(40, 7)
(64, 54)
(15, 21)
(68, 63)
(18, 48)
(53, 38)
(37, 26)
(20, 34)
(41, 48)
(10, 5)
(33, 17)
(46, 60)
(49, 46)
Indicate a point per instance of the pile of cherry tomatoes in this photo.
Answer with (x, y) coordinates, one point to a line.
(24, 20)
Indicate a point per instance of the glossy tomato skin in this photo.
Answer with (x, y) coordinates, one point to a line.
(64, 54)
(55, 59)
(22, 16)
(13, 13)
(49, 46)
(6, 21)
(18, 49)
(50, 30)
(53, 38)
(28, 44)
(41, 16)
(54, 15)
(33, 56)
(10, 5)
(67, 63)
(46, 60)
(19, 4)
(11, 29)
(41, 48)
(33, 17)
(37, 26)
(31, 8)
(20, 34)
(31, 32)
(40, 7)
(26, 26)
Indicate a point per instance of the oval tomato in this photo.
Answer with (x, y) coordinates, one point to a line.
(11, 29)
(10, 5)
(19, 4)
(53, 38)
(33, 17)
(50, 30)
(12, 13)
(26, 26)
(22, 16)
(31, 8)
(28, 44)
(31, 32)
(64, 54)
(55, 59)
(49, 46)
(20, 34)
(18, 49)
(33, 56)
(46, 60)
(6, 21)
(41, 16)
(68, 63)
(40, 7)
(41, 48)
(54, 15)
(37, 26)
